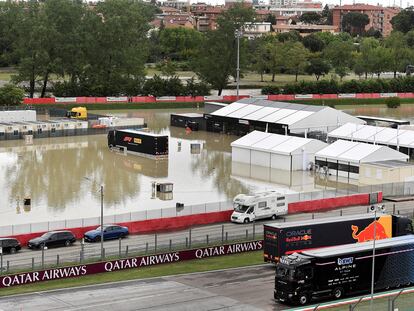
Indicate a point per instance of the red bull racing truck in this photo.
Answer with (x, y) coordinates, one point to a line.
(344, 270)
(293, 237)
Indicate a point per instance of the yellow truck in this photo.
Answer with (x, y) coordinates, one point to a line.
(79, 113)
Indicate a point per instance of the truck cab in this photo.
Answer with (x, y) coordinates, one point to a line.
(79, 113)
(294, 279)
(248, 208)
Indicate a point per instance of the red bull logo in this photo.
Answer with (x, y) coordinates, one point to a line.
(127, 139)
(367, 234)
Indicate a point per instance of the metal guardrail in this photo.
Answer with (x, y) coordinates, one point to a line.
(136, 245)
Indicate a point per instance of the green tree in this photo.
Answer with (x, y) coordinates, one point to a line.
(401, 54)
(216, 58)
(271, 18)
(339, 53)
(403, 21)
(313, 43)
(355, 22)
(116, 36)
(295, 56)
(11, 95)
(179, 43)
(318, 65)
(31, 34)
(327, 15)
(310, 18)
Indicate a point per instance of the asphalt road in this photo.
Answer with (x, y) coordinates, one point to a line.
(235, 289)
(138, 243)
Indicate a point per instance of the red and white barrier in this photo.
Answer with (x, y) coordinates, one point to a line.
(199, 99)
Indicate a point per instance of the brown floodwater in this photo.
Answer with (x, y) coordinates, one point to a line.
(62, 175)
(52, 172)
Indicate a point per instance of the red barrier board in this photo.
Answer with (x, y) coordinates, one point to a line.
(330, 203)
(128, 263)
(227, 98)
(148, 226)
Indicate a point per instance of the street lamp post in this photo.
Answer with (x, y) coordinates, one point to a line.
(375, 209)
(238, 33)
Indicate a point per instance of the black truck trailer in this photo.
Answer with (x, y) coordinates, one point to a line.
(139, 142)
(344, 270)
(285, 238)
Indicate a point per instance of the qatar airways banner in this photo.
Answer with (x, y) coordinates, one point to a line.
(128, 263)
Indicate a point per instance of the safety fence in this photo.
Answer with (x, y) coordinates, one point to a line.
(180, 217)
(133, 246)
(156, 243)
(199, 99)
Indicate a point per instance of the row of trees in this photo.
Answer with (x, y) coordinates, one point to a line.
(103, 50)
(320, 53)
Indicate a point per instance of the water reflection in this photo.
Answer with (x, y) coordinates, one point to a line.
(404, 112)
(52, 173)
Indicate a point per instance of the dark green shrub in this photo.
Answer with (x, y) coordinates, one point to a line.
(393, 102)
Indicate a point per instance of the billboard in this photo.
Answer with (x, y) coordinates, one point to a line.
(127, 263)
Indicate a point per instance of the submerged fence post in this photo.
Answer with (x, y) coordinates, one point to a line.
(189, 238)
(57, 260)
(170, 247)
(126, 250)
(155, 242)
(222, 233)
(207, 239)
(146, 248)
(33, 263)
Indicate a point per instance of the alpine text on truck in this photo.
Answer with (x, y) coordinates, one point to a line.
(285, 238)
(344, 270)
(262, 205)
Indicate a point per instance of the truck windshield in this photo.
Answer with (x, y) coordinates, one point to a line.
(241, 208)
(283, 272)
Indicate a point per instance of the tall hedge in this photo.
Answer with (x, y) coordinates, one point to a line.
(401, 85)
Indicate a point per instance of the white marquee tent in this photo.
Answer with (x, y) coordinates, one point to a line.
(275, 151)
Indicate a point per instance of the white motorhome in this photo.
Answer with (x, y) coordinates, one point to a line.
(262, 205)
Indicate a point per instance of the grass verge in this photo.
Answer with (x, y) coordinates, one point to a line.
(350, 101)
(209, 264)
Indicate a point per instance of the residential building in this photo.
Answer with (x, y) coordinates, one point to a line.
(205, 16)
(290, 7)
(305, 29)
(379, 16)
(257, 29)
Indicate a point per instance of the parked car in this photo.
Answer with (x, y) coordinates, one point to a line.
(52, 239)
(109, 232)
(10, 245)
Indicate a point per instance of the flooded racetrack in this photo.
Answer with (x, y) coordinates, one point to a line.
(62, 175)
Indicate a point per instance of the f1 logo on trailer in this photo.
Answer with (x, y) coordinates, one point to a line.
(127, 139)
(345, 261)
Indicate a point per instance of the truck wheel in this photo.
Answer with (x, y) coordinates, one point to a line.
(303, 299)
(274, 217)
(246, 220)
(338, 293)
(13, 250)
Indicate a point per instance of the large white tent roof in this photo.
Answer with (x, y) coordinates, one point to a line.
(374, 134)
(358, 152)
(274, 143)
(292, 115)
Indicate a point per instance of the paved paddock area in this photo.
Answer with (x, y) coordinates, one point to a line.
(236, 289)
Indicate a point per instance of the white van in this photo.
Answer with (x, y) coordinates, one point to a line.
(263, 205)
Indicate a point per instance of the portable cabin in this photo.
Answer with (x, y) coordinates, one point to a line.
(56, 128)
(12, 131)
